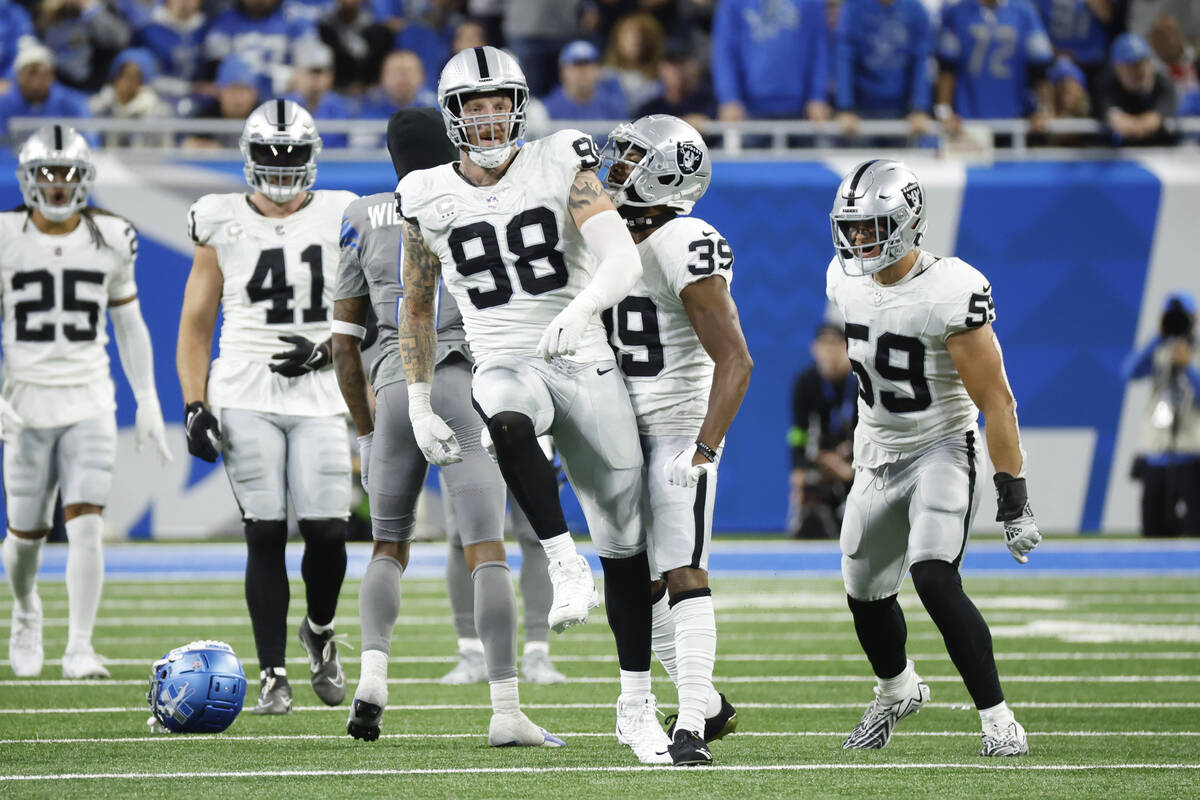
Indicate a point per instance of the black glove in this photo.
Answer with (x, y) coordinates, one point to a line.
(305, 356)
(1011, 497)
(203, 431)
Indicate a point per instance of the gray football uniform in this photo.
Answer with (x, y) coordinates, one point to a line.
(915, 486)
(370, 266)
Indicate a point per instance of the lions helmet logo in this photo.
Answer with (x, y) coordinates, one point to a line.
(913, 196)
(688, 157)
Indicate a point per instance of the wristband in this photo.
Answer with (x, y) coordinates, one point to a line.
(706, 451)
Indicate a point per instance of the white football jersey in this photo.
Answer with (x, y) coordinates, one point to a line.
(512, 256)
(279, 278)
(56, 291)
(910, 393)
(667, 370)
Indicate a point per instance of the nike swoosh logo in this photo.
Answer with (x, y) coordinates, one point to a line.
(604, 371)
(708, 233)
(339, 681)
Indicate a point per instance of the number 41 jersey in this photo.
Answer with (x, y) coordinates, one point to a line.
(279, 276)
(910, 394)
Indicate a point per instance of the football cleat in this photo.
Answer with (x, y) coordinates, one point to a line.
(514, 729)
(689, 750)
(536, 667)
(471, 668)
(328, 679)
(638, 729)
(718, 726)
(25, 640)
(1005, 739)
(874, 730)
(574, 592)
(365, 720)
(274, 693)
(82, 663)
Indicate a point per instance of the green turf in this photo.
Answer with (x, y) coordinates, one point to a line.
(787, 658)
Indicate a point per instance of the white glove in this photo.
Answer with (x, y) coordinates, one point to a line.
(681, 472)
(489, 447)
(1021, 532)
(148, 428)
(364, 457)
(433, 435)
(565, 332)
(10, 420)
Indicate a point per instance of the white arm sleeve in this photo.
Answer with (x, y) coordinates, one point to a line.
(619, 266)
(133, 345)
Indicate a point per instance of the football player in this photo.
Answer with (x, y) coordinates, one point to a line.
(919, 337)
(685, 361)
(268, 260)
(62, 264)
(393, 468)
(532, 250)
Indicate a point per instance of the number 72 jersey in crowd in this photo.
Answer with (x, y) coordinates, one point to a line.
(279, 276)
(910, 394)
(56, 290)
(667, 370)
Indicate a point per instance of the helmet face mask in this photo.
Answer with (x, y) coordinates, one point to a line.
(483, 74)
(279, 149)
(658, 160)
(878, 217)
(55, 172)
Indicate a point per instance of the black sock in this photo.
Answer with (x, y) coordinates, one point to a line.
(627, 602)
(882, 633)
(267, 592)
(528, 473)
(968, 640)
(323, 566)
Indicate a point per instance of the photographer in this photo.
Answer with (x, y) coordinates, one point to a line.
(1169, 464)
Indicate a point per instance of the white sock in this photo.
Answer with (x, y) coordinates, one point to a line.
(22, 558)
(635, 684)
(506, 698)
(319, 629)
(470, 645)
(85, 578)
(713, 706)
(537, 647)
(662, 635)
(372, 682)
(899, 686)
(560, 547)
(996, 715)
(696, 652)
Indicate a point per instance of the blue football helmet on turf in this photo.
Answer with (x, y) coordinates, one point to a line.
(198, 687)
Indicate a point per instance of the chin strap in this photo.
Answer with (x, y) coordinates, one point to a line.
(645, 222)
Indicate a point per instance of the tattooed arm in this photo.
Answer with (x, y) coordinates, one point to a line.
(419, 277)
(587, 198)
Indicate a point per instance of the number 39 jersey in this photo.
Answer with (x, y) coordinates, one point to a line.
(279, 275)
(667, 370)
(511, 254)
(910, 393)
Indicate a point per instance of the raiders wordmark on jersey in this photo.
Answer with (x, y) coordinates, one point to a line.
(910, 392)
(56, 291)
(279, 276)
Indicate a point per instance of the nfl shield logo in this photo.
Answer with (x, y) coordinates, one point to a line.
(688, 157)
(913, 196)
(58, 251)
(279, 230)
(493, 201)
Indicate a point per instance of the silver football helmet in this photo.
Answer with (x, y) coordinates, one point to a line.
(882, 202)
(479, 70)
(658, 160)
(55, 172)
(279, 149)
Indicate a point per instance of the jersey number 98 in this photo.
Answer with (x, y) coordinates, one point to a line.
(488, 258)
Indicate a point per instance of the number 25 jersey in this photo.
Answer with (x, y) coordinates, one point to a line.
(910, 394)
(279, 275)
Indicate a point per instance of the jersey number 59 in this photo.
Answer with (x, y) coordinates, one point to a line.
(913, 372)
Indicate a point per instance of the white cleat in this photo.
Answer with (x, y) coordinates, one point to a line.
(638, 728)
(874, 730)
(514, 729)
(536, 667)
(574, 593)
(471, 668)
(83, 664)
(25, 640)
(1005, 739)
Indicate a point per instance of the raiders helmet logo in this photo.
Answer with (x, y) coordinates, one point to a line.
(914, 196)
(688, 157)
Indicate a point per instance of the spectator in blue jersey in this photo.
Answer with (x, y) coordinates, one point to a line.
(883, 53)
(174, 33)
(682, 92)
(1136, 100)
(85, 36)
(582, 95)
(359, 41)
(770, 59)
(239, 87)
(35, 93)
(993, 57)
(401, 85)
(429, 31)
(14, 23)
(261, 33)
(312, 87)
(1082, 30)
(129, 95)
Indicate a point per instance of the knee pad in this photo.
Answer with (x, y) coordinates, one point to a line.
(509, 429)
(933, 577)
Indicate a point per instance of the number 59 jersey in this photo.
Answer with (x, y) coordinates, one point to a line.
(279, 276)
(512, 256)
(910, 394)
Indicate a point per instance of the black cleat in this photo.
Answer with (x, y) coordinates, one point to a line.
(687, 750)
(723, 723)
(328, 679)
(364, 720)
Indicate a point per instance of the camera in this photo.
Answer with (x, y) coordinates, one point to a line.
(1177, 321)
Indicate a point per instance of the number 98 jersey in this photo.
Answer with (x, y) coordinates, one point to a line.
(279, 276)
(910, 394)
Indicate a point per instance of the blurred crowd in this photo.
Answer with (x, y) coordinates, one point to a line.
(1131, 64)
